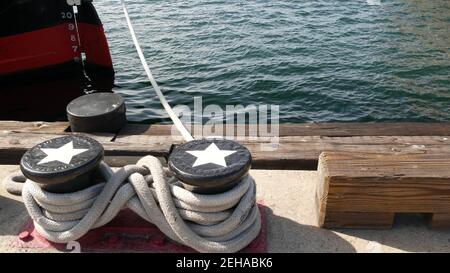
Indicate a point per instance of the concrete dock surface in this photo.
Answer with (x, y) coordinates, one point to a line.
(291, 221)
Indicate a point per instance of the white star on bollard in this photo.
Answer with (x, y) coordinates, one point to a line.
(212, 154)
(63, 154)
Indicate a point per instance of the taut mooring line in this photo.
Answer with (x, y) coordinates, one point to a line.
(177, 122)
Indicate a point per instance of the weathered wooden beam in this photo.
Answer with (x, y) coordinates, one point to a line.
(304, 129)
(365, 129)
(14, 144)
(310, 129)
(298, 147)
(36, 127)
(353, 184)
(293, 152)
(302, 152)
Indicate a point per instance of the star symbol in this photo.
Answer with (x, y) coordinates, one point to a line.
(63, 154)
(212, 154)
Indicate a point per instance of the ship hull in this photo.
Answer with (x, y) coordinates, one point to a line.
(48, 39)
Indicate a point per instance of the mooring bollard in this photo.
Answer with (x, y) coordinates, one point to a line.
(210, 166)
(98, 112)
(206, 199)
(63, 165)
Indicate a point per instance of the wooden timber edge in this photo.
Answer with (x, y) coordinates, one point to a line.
(298, 146)
(357, 190)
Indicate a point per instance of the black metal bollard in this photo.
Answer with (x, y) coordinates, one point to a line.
(98, 112)
(210, 166)
(63, 165)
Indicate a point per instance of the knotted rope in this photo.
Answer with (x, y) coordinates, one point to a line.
(225, 222)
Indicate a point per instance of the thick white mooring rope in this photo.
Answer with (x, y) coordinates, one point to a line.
(176, 121)
(225, 222)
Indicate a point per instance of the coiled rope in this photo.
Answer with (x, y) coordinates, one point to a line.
(225, 222)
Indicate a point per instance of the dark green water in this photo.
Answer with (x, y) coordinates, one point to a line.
(319, 60)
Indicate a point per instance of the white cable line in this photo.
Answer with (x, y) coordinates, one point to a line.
(177, 122)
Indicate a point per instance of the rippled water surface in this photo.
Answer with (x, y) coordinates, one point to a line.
(319, 60)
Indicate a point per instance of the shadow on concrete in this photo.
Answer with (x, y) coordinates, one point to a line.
(285, 235)
(12, 216)
(409, 233)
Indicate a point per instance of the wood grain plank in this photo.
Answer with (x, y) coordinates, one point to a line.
(36, 127)
(382, 183)
(365, 129)
(304, 129)
(311, 129)
(300, 152)
(13, 145)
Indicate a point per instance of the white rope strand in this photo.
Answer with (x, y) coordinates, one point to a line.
(177, 122)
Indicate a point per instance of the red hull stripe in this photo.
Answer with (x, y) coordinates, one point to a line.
(39, 48)
(95, 45)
